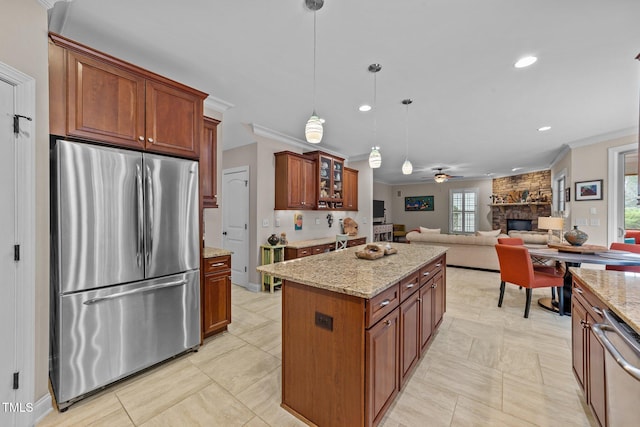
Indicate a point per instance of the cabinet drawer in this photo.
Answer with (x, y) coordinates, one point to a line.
(429, 270)
(409, 285)
(356, 242)
(381, 305)
(217, 264)
(591, 303)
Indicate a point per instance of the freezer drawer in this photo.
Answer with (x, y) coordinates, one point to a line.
(104, 335)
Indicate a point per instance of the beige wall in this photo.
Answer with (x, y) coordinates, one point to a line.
(23, 31)
(439, 217)
(384, 192)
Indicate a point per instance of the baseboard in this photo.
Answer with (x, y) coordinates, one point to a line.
(252, 287)
(42, 407)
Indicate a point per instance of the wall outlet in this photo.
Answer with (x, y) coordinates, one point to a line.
(277, 222)
(364, 220)
(593, 211)
(595, 222)
(582, 221)
(317, 221)
(265, 223)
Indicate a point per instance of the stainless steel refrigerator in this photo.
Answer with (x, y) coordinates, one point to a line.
(125, 280)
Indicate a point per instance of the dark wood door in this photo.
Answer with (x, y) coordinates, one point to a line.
(439, 302)
(426, 315)
(309, 183)
(578, 319)
(216, 302)
(382, 366)
(208, 162)
(350, 189)
(295, 183)
(105, 103)
(596, 388)
(174, 120)
(409, 335)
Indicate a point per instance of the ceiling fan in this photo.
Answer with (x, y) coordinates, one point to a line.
(440, 176)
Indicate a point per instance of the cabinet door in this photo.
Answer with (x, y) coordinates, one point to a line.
(382, 366)
(439, 302)
(173, 120)
(337, 181)
(409, 335)
(596, 374)
(105, 103)
(426, 314)
(309, 183)
(350, 189)
(216, 303)
(578, 318)
(208, 162)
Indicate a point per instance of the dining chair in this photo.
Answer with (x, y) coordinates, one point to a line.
(635, 248)
(516, 267)
(341, 241)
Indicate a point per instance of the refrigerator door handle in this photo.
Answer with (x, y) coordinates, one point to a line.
(149, 233)
(140, 204)
(135, 291)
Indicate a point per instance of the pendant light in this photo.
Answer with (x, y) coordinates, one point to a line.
(375, 159)
(313, 130)
(407, 167)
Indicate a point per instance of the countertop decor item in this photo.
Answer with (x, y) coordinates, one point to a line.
(576, 237)
(273, 239)
(283, 238)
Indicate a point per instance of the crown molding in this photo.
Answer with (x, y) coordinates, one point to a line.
(609, 136)
(290, 140)
(217, 104)
(48, 4)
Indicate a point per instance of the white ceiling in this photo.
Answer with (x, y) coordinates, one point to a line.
(473, 112)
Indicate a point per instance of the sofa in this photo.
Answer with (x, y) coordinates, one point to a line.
(474, 251)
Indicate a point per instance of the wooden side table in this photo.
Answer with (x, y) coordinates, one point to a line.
(270, 254)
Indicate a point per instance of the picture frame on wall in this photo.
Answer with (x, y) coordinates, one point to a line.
(418, 203)
(589, 190)
(567, 194)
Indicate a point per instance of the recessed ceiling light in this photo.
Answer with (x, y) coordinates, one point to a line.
(544, 128)
(515, 169)
(525, 62)
(364, 107)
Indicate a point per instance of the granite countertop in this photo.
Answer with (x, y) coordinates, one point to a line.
(340, 271)
(618, 289)
(214, 252)
(315, 242)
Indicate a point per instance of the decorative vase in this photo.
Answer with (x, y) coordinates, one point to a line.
(273, 240)
(576, 237)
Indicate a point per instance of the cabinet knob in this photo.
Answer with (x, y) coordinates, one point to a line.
(410, 285)
(384, 303)
(584, 324)
(578, 290)
(141, 138)
(388, 323)
(435, 285)
(150, 139)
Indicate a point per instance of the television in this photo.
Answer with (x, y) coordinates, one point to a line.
(378, 208)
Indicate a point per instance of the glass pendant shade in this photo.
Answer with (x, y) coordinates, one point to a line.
(313, 129)
(407, 167)
(375, 159)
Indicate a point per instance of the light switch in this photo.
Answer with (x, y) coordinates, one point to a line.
(265, 223)
(317, 221)
(593, 211)
(595, 222)
(364, 220)
(582, 221)
(277, 222)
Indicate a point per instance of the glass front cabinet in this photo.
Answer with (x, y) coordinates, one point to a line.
(330, 180)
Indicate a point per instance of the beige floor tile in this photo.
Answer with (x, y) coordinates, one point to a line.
(471, 413)
(210, 407)
(256, 422)
(150, 395)
(119, 418)
(265, 336)
(92, 409)
(240, 368)
(243, 320)
(413, 407)
(453, 343)
(543, 405)
(215, 346)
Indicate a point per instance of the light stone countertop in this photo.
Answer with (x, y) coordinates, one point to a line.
(340, 271)
(618, 289)
(208, 252)
(315, 242)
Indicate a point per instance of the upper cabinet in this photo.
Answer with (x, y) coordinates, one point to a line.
(295, 186)
(314, 180)
(98, 97)
(208, 161)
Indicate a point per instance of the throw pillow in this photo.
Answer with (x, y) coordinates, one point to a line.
(429, 230)
(492, 233)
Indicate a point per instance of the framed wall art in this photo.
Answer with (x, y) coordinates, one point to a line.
(418, 203)
(589, 190)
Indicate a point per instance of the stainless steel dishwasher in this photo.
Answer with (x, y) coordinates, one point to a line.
(622, 370)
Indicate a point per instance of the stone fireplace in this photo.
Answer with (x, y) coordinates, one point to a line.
(523, 212)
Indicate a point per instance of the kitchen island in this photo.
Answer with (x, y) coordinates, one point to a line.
(354, 329)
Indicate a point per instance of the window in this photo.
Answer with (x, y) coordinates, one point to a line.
(631, 209)
(559, 196)
(463, 209)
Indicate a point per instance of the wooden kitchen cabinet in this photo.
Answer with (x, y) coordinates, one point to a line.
(409, 335)
(330, 180)
(208, 162)
(295, 186)
(350, 189)
(98, 97)
(216, 295)
(587, 352)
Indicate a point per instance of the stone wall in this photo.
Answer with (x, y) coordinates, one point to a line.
(525, 196)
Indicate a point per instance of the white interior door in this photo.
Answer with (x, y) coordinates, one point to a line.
(8, 362)
(235, 221)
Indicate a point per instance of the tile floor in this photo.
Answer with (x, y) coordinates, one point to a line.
(487, 366)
